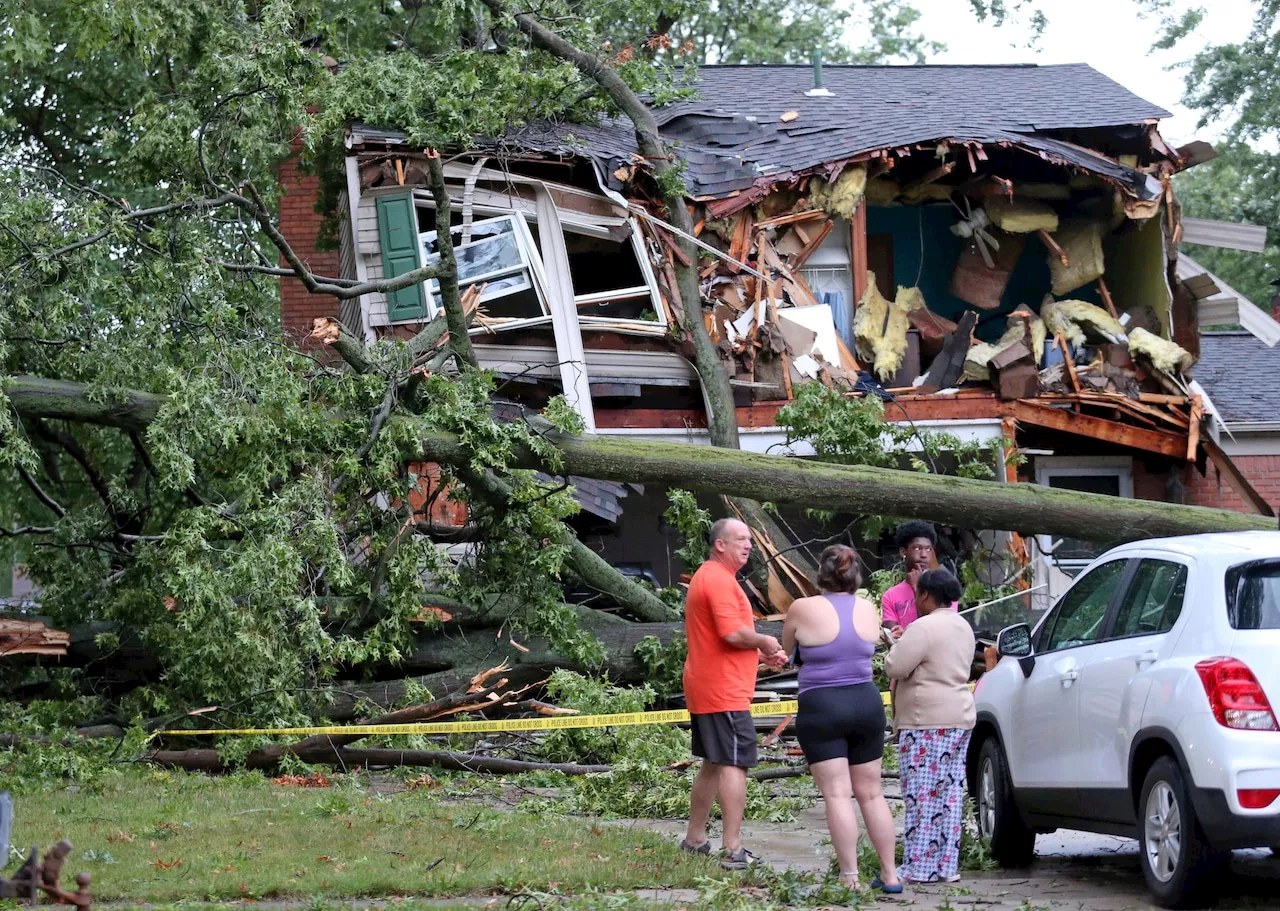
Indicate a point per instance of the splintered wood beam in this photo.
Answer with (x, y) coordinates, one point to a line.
(792, 218)
(1193, 431)
(1173, 445)
(858, 251)
(1106, 298)
(1047, 239)
(933, 176)
(1068, 364)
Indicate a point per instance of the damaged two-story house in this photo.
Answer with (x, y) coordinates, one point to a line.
(991, 249)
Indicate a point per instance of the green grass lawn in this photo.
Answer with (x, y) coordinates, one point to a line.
(163, 837)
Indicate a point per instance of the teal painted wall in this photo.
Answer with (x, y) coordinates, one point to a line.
(908, 224)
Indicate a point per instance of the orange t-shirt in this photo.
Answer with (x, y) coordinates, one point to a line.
(717, 676)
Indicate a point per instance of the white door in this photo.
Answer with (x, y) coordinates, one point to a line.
(1044, 713)
(1114, 684)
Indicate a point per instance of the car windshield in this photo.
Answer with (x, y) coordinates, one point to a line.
(1253, 595)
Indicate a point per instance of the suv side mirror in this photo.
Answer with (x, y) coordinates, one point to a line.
(1014, 641)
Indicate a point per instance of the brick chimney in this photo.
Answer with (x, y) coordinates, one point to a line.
(1275, 308)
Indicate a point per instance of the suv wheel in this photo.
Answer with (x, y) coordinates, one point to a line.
(1012, 843)
(1176, 857)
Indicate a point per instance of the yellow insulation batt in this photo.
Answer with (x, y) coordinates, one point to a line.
(1081, 322)
(880, 327)
(842, 197)
(1081, 241)
(1162, 353)
(1021, 216)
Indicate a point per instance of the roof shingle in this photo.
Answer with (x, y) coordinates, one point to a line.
(1239, 372)
(731, 133)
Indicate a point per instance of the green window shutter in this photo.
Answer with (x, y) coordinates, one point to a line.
(398, 236)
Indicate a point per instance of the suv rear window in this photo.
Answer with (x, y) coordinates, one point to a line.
(1253, 595)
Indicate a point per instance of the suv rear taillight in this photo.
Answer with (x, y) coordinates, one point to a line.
(1236, 696)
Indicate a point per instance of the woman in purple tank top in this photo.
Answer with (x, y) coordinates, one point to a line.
(841, 721)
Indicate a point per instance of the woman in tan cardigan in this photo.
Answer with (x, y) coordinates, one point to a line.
(934, 715)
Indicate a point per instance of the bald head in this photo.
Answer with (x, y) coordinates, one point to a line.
(731, 543)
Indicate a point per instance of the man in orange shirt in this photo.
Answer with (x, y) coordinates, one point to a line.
(719, 680)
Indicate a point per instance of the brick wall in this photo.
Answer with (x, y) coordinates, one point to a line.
(1149, 483)
(300, 224)
(1262, 471)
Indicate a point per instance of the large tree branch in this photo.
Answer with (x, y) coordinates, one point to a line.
(1028, 508)
(722, 418)
(450, 299)
(127, 409)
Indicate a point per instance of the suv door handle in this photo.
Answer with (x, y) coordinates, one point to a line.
(1148, 657)
(1069, 677)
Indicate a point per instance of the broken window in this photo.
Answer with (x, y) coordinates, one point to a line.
(498, 257)
(611, 280)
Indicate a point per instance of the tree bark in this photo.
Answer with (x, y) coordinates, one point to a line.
(859, 489)
(450, 300)
(35, 396)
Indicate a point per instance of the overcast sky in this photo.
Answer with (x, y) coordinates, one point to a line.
(1108, 35)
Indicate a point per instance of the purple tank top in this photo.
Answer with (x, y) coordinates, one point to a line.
(845, 660)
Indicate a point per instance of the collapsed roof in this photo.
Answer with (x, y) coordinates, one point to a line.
(750, 124)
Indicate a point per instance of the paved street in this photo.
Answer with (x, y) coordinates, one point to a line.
(1072, 870)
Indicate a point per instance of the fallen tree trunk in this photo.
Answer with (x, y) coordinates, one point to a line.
(1025, 508)
(203, 760)
(860, 489)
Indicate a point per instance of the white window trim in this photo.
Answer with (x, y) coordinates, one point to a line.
(649, 289)
(530, 261)
(1048, 467)
(595, 227)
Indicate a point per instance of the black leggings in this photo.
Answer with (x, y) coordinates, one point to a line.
(842, 722)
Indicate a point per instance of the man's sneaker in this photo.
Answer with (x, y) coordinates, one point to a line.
(738, 860)
(703, 849)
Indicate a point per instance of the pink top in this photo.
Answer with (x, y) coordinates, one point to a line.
(898, 606)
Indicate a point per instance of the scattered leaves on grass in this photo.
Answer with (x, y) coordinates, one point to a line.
(314, 780)
(161, 864)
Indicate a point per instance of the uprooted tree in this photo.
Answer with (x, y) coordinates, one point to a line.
(220, 518)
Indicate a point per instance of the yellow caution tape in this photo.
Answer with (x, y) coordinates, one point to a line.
(554, 723)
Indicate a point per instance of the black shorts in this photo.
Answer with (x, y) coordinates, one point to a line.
(725, 738)
(842, 722)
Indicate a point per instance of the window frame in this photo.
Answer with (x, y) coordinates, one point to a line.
(1049, 467)
(530, 266)
(577, 223)
(1045, 630)
(633, 292)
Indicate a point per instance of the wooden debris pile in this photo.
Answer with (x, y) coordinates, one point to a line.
(769, 326)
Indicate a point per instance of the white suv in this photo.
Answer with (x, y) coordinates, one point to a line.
(1139, 707)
